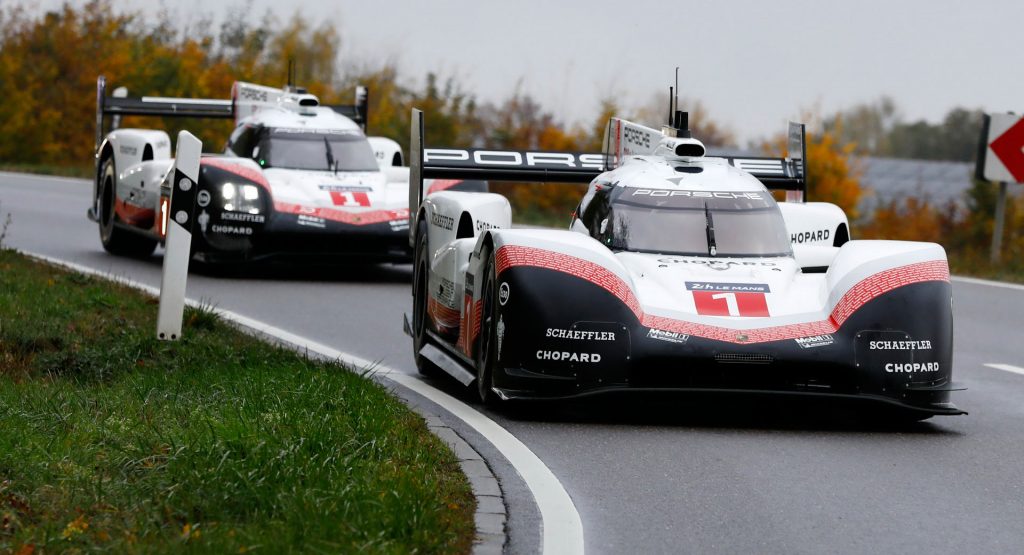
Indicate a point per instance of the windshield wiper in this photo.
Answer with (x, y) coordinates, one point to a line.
(712, 249)
(330, 156)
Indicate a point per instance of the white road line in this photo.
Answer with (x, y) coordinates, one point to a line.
(562, 528)
(76, 180)
(988, 282)
(1006, 367)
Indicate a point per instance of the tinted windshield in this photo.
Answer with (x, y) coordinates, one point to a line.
(746, 223)
(301, 150)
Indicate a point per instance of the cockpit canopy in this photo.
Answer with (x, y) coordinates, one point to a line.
(682, 222)
(304, 149)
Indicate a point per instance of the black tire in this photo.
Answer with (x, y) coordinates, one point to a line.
(419, 303)
(487, 349)
(114, 239)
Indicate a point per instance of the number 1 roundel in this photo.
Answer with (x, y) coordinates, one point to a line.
(717, 303)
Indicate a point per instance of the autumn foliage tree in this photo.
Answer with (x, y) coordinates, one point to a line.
(833, 172)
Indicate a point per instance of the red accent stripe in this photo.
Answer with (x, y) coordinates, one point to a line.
(442, 184)
(134, 215)
(443, 316)
(469, 328)
(510, 256)
(256, 176)
(351, 218)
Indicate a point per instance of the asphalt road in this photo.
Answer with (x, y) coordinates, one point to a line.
(656, 475)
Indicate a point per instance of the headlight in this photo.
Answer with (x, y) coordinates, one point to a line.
(241, 198)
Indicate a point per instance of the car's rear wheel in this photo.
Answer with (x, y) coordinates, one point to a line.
(114, 239)
(419, 302)
(487, 348)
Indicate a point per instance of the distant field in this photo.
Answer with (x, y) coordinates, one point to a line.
(218, 443)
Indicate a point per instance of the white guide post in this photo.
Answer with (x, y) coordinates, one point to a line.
(178, 243)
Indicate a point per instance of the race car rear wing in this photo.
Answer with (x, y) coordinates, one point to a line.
(122, 105)
(575, 167)
(492, 165)
(786, 174)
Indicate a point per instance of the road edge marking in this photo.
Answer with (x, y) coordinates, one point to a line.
(561, 525)
(75, 180)
(988, 282)
(1005, 367)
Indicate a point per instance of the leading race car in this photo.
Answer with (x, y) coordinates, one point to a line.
(295, 178)
(679, 272)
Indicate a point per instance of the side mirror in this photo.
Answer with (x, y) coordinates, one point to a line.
(814, 258)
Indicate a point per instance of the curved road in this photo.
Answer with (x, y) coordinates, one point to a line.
(653, 476)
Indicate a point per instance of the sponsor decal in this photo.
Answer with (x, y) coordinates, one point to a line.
(204, 220)
(669, 336)
(812, 341)
(243, 217)
(634, 137)
(247, 93)
(715, 264)
(711, 303)
(311, 221)
(481, 225)
(447, 292)
(350, 198)
(503, 293)
(911, 367)
(442, 221)
(695, 194)
(128, 150)
(500, 332)
(399, 225)
(506, 158)
(806, 236)
(581, 335)
(304, 130)
(203, 198)
(745, 287)
(345, 188)
(231, 229)
(900, 345)
(565, 356)
(759, 166)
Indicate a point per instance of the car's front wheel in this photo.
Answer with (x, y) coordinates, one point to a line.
(487, 348)
(419, 302)
(116, 240)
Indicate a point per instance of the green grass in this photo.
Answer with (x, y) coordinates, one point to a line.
(111, 440)
(84, 172)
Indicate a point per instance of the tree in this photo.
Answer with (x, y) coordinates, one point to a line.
(833, 174)
(866, 125)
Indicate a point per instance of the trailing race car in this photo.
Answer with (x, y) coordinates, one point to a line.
(679, 271)
(296, 178)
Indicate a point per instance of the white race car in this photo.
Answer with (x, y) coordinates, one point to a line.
(296, 179)
(679, 271)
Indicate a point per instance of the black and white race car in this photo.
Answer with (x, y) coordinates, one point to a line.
(295, 179)
(679, 271)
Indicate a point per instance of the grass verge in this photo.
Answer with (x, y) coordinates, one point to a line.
(218, 443)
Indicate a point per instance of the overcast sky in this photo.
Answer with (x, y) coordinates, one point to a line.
(754, 64)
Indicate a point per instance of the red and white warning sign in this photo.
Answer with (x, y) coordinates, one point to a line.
(1003, 159)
